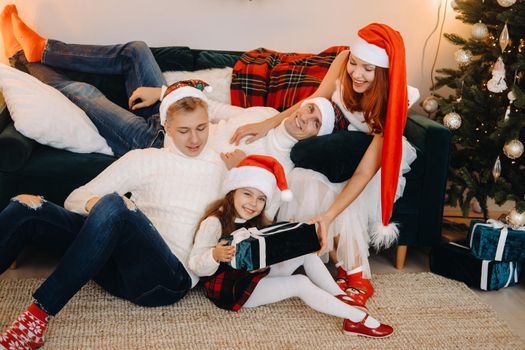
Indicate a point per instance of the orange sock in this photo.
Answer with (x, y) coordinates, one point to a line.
(11, 46)
(32, 43)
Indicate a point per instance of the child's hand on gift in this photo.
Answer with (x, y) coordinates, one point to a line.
(223, 252)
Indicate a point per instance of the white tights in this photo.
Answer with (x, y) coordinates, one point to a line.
(317, 289)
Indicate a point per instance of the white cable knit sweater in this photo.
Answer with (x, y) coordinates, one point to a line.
(171, 189)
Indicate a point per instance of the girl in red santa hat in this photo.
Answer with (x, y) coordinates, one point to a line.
(248, 187)
(348, 181)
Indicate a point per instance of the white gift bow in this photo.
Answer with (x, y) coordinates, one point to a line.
(502, 235)
(242, 234)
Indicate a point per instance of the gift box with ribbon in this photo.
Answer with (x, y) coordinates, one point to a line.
(495, 240)
(258, 248)
(456, 261)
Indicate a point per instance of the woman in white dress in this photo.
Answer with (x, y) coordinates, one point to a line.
(337, 180)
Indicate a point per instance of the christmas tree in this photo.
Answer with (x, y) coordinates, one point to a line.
(487, 111)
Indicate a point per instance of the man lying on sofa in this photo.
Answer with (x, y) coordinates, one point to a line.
(138, 127)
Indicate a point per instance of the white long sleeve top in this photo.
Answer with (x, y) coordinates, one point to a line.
(201, 260)
(171, 189)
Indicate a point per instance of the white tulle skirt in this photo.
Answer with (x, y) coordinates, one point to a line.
(314, 194)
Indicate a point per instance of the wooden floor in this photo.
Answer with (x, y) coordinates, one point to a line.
(509, 303)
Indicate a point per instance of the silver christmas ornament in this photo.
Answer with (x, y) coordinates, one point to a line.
(430, 104)
(452, 120)
(513, 149)
(515, 219)
(479, 31)
(462, 57)
(496, 170)
(504, 38)
(506, 3)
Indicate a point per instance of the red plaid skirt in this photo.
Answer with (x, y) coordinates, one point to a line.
(229, 288)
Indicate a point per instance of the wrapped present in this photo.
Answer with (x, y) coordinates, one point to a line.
(456, 261)
(258, 248)
(494, 240)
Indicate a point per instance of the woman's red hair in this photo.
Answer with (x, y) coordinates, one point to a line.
(372, 102)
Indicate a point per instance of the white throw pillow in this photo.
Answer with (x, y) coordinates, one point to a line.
(42, 113)
(218, 78)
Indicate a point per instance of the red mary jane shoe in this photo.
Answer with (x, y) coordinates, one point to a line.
(350, 301)
(359, 328)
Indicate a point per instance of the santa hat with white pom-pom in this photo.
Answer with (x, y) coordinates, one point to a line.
(264, 173)
(179, 90)
(382, 46)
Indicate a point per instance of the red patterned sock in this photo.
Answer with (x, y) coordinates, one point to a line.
(341, 276)
(27, 332)
(341, 272)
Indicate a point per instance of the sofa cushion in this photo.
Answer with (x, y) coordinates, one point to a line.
(173, 58)
(42, 113)
(214, 59)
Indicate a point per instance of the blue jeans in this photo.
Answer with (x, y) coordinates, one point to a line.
(123, 129)
(117, 247)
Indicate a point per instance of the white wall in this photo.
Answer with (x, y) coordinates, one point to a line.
(284, 25)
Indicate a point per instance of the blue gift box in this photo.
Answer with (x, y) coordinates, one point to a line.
(456, 261)
(494, 240)
(258, 248)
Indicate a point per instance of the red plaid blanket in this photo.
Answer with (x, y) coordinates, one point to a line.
(268, 78)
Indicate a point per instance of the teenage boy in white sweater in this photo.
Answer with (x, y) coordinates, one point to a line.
(136, 248)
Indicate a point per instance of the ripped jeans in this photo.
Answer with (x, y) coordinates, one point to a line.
(115, 246)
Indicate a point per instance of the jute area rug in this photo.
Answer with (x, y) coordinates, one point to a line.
(426, 310)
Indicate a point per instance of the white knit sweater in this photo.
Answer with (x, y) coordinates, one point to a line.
(171, 189)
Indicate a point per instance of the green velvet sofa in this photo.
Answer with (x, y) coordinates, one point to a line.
(28, 167)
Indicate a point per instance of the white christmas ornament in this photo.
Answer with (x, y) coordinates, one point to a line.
(430, 104)
(506, 3)
(497, 82)
(507, 113)
(479, 31)
(513, 149)
(475, 206)
(462, 57)
(452, 120)
(511, 96)
(515, 219)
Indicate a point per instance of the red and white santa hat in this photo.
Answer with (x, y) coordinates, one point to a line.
(264, 173)
(327, 114)
(180, 90)
(380, 45)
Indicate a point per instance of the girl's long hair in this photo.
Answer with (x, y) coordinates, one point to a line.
(224, 210)
(372, 102)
